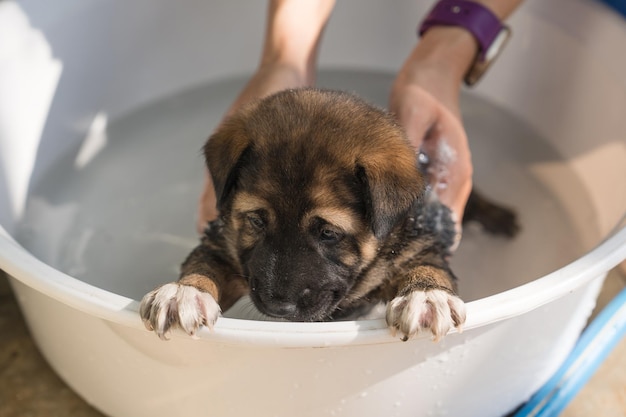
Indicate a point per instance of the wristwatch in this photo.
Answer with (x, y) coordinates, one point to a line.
(490, 33)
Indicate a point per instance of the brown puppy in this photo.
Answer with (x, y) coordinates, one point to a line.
(323, 214)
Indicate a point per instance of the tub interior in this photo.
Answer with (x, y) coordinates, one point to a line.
(118, 211)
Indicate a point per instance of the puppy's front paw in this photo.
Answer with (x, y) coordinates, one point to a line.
(434, 310)
(178, 305)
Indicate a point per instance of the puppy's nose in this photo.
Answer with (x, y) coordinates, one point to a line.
(281, 308)
(312, 298)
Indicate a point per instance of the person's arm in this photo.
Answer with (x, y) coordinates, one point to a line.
(292, 36)
(450, 51)
(293, 32)
(425, 99)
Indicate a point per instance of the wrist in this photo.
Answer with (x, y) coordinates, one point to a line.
(301, 71)
(478, 19)
(447, 49)
(439, 62)
(285, 47)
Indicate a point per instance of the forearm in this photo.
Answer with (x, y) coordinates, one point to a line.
(293, 33)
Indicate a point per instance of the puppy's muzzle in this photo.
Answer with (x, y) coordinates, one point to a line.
(308, 304)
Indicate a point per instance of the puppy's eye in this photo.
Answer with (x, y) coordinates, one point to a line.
(328, 235)
(256, 221)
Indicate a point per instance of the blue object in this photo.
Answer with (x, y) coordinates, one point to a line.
(618, 5)
(594, 345)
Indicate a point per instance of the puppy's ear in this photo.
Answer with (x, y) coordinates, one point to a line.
(225, 153)
(392, 183)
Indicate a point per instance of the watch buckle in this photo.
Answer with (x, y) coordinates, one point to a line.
(483, 60)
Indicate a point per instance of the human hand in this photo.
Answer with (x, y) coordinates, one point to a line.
(425, 100)
(433, 129)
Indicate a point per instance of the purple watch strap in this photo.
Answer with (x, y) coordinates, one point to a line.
(472, 16)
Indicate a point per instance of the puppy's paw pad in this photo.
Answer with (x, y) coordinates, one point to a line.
(436, 311)
(178, 305)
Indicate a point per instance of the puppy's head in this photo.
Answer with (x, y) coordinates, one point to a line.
(309, 184)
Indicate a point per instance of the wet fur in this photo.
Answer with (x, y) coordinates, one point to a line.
(323, 214)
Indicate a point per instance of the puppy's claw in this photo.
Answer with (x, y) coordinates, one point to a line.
(436, 311)
(178, 305)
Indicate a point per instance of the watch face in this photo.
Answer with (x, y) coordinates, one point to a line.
(480, 66)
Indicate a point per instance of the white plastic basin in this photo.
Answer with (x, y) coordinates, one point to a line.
(103, 109)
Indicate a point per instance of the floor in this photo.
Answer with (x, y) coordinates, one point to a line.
(29, 387)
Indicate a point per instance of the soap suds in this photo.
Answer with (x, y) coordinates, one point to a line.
(435, 164)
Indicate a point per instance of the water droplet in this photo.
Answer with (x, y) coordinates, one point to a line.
(363, 394)
(397, 404)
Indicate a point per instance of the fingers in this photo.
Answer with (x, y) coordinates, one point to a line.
(434, 129)
(451, 163)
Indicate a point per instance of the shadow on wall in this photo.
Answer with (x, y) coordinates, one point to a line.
(29, 76)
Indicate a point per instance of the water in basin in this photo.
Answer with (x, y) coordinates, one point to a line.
(119, 213)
